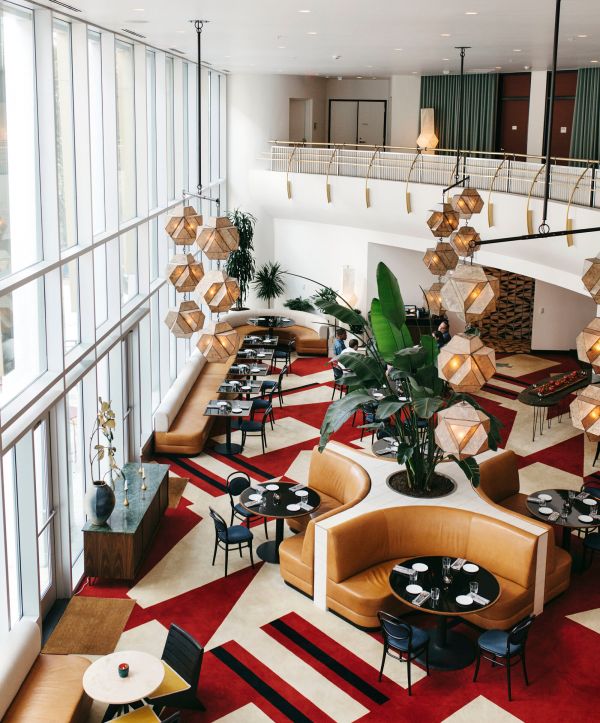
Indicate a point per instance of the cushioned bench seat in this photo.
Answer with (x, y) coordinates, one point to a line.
(307, 340)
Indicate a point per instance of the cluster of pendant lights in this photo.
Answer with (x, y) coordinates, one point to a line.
(464, 288)
(585, 408)
(216, 238)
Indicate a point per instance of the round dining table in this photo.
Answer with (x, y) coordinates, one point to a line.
(554, 500)
(448, 650)
(282, 503)
(101, 681)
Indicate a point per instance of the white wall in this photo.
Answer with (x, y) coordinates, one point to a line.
(537, 112)
(405, 91)
(558, 316)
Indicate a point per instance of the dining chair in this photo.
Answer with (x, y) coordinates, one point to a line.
(226, 537)
(146, 714)
(401, 639)
(284, 352)
(269, 384)
(263, 402)
(338, 384)
(182, 655)
(256, 427)
(504, 647)
(591, 544)
(236, 483)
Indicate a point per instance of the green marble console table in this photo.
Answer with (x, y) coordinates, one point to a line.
(117, 549)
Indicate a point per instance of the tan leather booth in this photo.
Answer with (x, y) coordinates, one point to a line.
(341, 483)
(307, 341)
(362, 551)
(499, 482)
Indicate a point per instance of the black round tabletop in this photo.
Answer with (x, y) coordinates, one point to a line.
(270, 322)
(559, 497)
(273, 507)
(386, 448)
(459, 585)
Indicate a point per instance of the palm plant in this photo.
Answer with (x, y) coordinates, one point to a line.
(240, 263)
(414, 393)
(268, 281)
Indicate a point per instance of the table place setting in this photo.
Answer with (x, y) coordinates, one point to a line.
(421, 598)
(458, 563)
(305, 506)
(403, 570)
(297, 487)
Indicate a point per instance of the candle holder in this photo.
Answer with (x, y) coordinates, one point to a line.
(123, 670)
(142, 472)
(126, 500)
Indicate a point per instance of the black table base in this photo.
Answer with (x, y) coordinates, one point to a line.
(228, 449)
(448, 650)
(269, 551)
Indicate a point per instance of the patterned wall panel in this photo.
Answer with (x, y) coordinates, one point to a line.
(509, 328)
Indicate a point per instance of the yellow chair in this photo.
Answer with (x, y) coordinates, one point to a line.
(171, 683)
(141, 715)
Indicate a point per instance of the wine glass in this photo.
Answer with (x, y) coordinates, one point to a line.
(473, 587)
(435, 595)
(413, 577)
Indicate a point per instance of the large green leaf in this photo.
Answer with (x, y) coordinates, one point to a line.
(389, 338)
(343, 313)
(404, 453)
(339, 411)
(368, 370)
(426, 407)
(389, 406)
(427, 376)
(392, 305)
(429, 344)
(471, 469)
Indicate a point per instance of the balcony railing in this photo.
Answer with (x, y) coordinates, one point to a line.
(572, 181)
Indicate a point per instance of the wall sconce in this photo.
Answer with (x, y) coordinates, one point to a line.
(349, 285)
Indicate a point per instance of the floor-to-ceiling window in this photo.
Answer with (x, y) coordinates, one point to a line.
(81, 260)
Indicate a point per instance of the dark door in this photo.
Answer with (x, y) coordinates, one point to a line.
(513, 112)
(564, 106)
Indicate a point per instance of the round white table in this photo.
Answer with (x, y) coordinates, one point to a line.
(101, 681)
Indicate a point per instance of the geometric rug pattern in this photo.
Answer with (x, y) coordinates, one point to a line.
(272, 655)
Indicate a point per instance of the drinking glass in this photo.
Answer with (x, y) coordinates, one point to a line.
(435, 594)
(446, 562)
(413, 577)
(564, 511)
(473, 587)
(572, 495)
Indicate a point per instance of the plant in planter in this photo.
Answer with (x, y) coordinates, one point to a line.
(269, 282)
(324, 295)
(299, 304)
(413, 391)
(100, 498)
(240, 264)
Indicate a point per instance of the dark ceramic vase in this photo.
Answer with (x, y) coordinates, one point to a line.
(99, 502)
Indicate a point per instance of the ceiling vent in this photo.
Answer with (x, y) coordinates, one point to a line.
(66, 6)
(132, 32)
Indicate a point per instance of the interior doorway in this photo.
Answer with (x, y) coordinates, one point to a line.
(301, 122)
(357, 122)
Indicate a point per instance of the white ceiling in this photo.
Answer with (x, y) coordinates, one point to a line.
(373, 38)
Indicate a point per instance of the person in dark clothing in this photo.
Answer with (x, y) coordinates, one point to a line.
(443, 331)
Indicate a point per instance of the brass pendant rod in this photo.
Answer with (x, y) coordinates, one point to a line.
(529, 236)
(544, 224)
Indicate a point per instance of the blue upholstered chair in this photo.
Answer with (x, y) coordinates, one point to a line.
(226, 537)
(256, 427)
(237, 482)
(264, 401)
(267, 385)
(504, 649)
(403, 642)
(284, 352)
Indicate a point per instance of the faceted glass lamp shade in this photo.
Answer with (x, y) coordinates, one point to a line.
(433, 297)
(466, 363)
(182, 229)
(462, 431)
(218, 238)
(585, 412)
(184, 272)
(219, 291)
(218, 342)
(470, 292)
(465, 241)
(588, 344)
(467, 203)
(591, 277)
(441, 259)
(443, 221)
(185, 319)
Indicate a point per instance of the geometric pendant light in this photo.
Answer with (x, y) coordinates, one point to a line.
(182, 229)
(185, 319)
(585, 411)
(465, 363)
(218, 238)
(218, 341)
(443, 220)
(464, 241)
(467, 202)
(591, 277)
(184, 272)
(441, 259)
(588, 344)
(433, 299)
(218, 290)
(470, 292)
(462, 430)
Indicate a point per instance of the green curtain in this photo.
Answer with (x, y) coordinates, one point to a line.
(480, 101)
(585, 137)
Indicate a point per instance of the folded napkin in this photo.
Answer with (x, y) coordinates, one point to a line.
(534, 499)
(252, 503)
(259, 488)
(582, 495)
(402, 570)
(479, 599)
(306, 506)
(299, 486)
(458, 563)
(421, 598)
(553, 516)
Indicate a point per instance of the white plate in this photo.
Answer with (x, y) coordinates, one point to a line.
(464, 600)
(272, 488)
(591, 501)
(545, 510)
(545, 497)
(256, 369)
(420, 567)
(245, 389)
(222, 404)
(237, 410)
(293, 507)
(256, 496)
(470, 567)
(414, 589)
(301, 493)
(261, 356)
(585, 518)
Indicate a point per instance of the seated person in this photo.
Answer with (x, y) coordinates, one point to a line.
(340, 342)
(444, 333)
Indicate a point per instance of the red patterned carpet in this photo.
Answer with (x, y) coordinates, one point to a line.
(270, 657)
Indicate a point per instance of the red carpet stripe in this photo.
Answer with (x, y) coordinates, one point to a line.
(199, 476)
(269, 685)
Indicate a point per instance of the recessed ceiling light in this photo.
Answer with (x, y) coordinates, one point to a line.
(374, 77)
(139, 10)
(498, 67)
(311, 32)
(444, 35)
(593, 61)
(281, 47)
(582, 36)
(304, 11)
(445, 58)
(359, 77)
(471, 12)
(526, 67)
(398, 48)
(414, 72)
(516, 50)
(369, 66)
(180, 32)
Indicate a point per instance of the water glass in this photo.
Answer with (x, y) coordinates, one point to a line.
(473, 587)
(446, 562)
(564, 512)
(572, 494)
(435, 595)
(413, 577)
